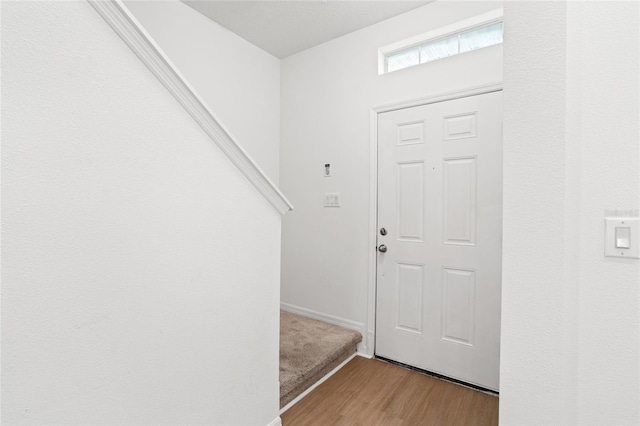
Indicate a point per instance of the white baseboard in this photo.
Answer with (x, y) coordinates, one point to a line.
(364, 355)
(363, 347)
(276, 422)
(316, 384)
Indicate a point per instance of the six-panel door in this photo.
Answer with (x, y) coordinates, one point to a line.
(440, 199)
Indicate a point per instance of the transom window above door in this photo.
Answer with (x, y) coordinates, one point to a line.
(472, 34)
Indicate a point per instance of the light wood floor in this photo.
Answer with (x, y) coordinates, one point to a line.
(372, 392)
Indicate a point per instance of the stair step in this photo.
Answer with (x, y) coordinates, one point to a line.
(309, 349)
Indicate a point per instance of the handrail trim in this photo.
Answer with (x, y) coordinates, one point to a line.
(116, 14)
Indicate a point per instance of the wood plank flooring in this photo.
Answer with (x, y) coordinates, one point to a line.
(372, 392)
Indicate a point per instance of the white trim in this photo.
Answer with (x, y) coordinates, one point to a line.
(134, 35)
(432, 99)
(373, 232)
(363, 355)
(457, 27)
(341, 322)
(373, 187)
(276, 422)
(316, 384)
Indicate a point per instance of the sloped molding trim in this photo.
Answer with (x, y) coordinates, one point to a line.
(131, 31)
(276, 422)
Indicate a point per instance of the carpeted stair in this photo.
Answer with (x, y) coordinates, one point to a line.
(309, 349)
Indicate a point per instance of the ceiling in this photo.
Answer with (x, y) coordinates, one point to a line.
(283, 28)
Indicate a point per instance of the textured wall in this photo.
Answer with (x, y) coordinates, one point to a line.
(604, 103)
(570, 316)
(239, 81)
(533, 311)
(327, 93)
(140, 269)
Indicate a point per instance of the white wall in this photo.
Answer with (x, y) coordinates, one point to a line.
(239, 81)
(140, 269)
(570, 316)
(327, 93)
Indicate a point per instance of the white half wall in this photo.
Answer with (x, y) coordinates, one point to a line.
(239, 81)
(140, 268)
(327, 94)
(570, 317)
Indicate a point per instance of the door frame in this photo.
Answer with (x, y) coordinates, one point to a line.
(370, 338)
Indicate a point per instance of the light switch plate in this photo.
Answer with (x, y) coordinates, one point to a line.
(611, 248)
(332, 199)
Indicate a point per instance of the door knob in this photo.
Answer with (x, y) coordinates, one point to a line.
(382, 248)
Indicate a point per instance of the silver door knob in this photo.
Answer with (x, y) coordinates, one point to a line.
(382, 248)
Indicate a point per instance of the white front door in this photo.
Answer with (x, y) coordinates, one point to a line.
(440, 203)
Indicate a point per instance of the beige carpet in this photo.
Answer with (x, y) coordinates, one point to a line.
(310, 349)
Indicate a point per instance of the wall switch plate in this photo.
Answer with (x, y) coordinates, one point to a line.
(332, 199)
(622, 237)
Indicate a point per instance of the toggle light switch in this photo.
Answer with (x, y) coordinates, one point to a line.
(623, 234)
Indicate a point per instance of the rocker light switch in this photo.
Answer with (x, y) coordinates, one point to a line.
(622, 237)
(332, 199)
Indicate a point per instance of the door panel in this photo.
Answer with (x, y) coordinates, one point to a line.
(409, 305)
(410, 199)
(460, 196)
(440, 199)
(458, 305)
